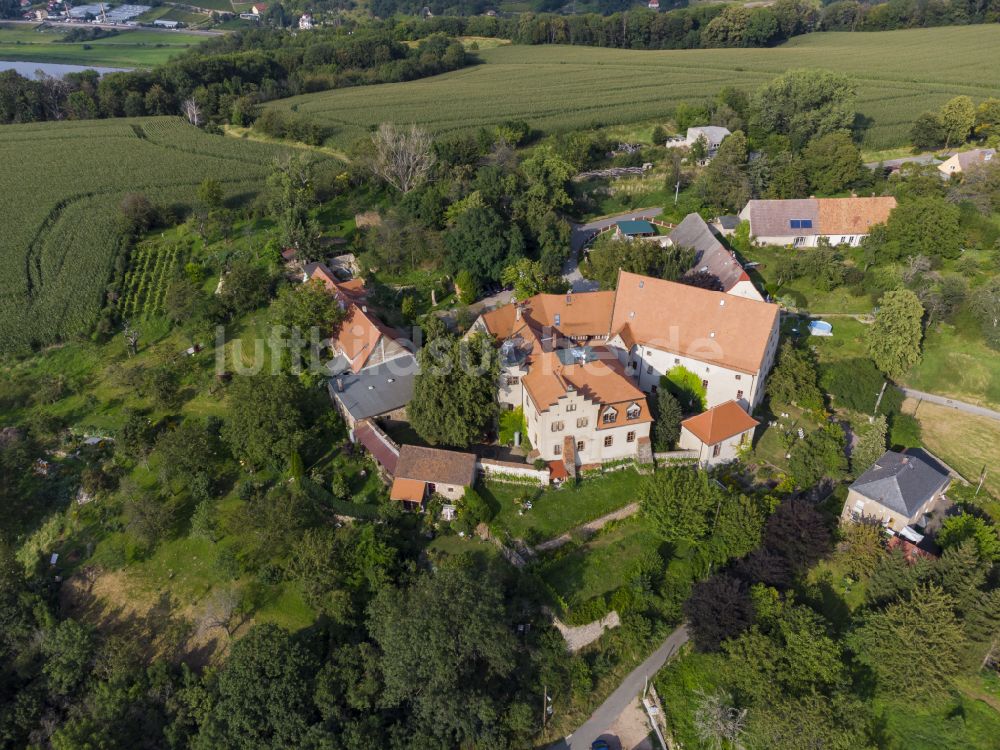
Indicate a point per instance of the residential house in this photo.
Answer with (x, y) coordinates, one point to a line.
(802, 222)
(960, 162)
(718, 434)
(305, 22)
(580, 365)
(349, 291)
(713, 258)
(713, 135)
(258, 9)
(727, 340)
(372, 370)
(901, 491)
(421, 472)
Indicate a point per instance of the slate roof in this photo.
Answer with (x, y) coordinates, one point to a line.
(711, 256)
(967, 159)
(901, 482)
(436, 465)
(376, 390)
(712, 133)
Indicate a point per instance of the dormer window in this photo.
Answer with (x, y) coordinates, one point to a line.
(633, 411)
(558, 319)
(610, 416)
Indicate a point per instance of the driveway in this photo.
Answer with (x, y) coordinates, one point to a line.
(604, 718)
(581, 233)
(979, 411)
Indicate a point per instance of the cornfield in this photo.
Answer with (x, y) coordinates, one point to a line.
(899, 75)
(63, 185)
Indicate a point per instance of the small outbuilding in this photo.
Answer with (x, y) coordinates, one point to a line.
(634, 228)
(718, 433)
(421, 472)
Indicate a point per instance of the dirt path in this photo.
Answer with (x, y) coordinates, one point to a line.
(582, 635)
(588, 529)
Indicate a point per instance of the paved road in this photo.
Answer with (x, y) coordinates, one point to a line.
(602, 719)
(580, 233)
(979, 411)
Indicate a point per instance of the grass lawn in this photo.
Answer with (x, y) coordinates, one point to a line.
(964, 441)
(603, 564)
(557, 511)
(284, 606)
(958, 365)
(956, 723)
(127, 49)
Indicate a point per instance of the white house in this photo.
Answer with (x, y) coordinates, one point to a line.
(718, 434)
(802, 222)
(962, 161)
(713, 135)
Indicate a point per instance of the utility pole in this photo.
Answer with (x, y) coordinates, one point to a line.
(878, 401)
(545, 704)
(982, 478)
(677, 191)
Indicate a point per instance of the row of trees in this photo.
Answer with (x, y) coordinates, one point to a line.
(687, 28)
(225, 78)
(958, 120)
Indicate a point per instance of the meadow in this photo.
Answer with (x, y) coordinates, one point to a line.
(557, 88)
(127, 49)
(65, 182)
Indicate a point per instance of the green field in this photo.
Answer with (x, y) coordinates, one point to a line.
(900, 74)
(64, 183)
(127, 49)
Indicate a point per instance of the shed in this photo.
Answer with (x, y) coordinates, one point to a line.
(636, 228)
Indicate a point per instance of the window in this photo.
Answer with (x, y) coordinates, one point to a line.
(557, 426)
(654, 389)
(677, 360)
(739, 395)
(610, 416)
(633, 411)
(556, 450)
(558, 319)
(582, 422)
(739, 377)
(608, 441)
(743, 438)
(798, 241)
(649, 369)
(716, 450)
(704, 384)
(513, 380)
(570, 407)
(630, 437)
(579, 446)
(801, 223)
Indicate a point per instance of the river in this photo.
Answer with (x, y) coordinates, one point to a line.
(57, 70)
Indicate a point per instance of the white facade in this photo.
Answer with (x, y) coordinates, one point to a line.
(745, 289)
(648, 364)
(599, 433)
(712, 455)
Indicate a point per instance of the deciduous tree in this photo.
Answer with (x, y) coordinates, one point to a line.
(402, 157)
(895, 336)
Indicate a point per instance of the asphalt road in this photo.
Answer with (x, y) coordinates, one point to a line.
(979, 411)
(580, 233)
(597, 725)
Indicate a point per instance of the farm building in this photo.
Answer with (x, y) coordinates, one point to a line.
(712, 258)
(713, 135)
(802, 222)
(421, 472)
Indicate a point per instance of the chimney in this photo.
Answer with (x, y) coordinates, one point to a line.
(340, 384)
(517, 312)
(569, 297)
(364, 308)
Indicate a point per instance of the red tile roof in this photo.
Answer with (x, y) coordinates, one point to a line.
(382, 451)
(436, 465)
(720, 423)
(408, 490)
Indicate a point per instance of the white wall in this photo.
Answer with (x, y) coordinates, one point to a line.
(746, 289)
(728, 449)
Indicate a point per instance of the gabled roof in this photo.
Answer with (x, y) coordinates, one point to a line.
(901, 482)
(436, 465)
(714, 133)
(601, 379)
(574, 315)
(360, 333)
(816, 216)
(971, 158)
(380, 447)
(348, 292)
(376, 390)
(720, 423)
(714, 327)
(711, 256)
(853, 215)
